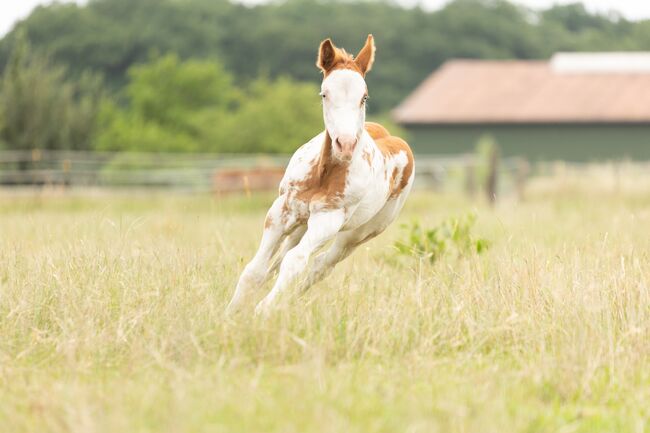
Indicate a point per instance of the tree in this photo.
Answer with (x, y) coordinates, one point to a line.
(273, 117)
(279, 39)
(176, 106)
(40, 109)
(169, 92)
(165, 98)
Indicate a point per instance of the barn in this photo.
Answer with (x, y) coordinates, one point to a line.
(575, 107)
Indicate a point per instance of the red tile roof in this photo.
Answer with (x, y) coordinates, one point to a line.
(473, 91)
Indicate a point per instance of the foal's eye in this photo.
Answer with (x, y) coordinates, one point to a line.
(364, 99)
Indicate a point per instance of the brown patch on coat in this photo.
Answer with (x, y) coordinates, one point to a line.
(347, 63)
(268, 222)
(390, 146)
(284, 212)
(367, 157)
(325, 182)
(393, 187)
(332, 58)
(376, 131)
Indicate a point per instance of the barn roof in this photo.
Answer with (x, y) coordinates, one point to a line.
(571, 88)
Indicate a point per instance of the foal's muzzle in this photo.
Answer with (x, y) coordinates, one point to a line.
(345, 145)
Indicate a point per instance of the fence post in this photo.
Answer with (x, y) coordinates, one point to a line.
(523, 171)
(493, 174)
(66, 165)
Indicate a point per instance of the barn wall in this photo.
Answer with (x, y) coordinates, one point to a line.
(538, 142)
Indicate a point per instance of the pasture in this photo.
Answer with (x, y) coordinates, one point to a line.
(111, 319)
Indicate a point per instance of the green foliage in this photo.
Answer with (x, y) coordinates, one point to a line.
(186, 101)
(452, 236)
(41, 110)
(170, 92)
(124, 130)
(273, 117)
(165, 98)
(193, 106)
(280, 39)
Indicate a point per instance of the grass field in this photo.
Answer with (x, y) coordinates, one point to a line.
(111, 320)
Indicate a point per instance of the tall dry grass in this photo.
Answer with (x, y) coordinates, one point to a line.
(111, 319)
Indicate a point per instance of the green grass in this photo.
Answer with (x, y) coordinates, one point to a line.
(111, 320)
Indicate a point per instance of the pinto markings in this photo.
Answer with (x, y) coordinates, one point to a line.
(346, 185)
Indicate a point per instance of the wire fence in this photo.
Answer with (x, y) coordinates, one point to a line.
(217, 172)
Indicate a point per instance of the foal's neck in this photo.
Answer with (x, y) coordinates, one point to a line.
(326, 161)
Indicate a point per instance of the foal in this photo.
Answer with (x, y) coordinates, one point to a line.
(347, 185)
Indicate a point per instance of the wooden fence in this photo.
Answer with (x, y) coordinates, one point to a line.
(228, 173)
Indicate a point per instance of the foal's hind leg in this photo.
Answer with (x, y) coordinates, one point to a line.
(344, 244)
(257, 270)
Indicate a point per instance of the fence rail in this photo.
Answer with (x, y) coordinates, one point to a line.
(206, 172)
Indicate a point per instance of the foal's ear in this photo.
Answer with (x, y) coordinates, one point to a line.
(366, 56)
(327, 54)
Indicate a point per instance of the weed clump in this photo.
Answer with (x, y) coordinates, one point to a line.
(451, 237)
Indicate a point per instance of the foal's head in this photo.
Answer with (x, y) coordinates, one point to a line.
(344, 94)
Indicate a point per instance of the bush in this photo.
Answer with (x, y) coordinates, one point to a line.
(452, 236)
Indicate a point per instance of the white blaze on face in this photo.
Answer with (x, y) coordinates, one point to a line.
(344, 110)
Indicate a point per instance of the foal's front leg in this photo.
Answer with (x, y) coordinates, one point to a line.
(256, 271)
(321, 227)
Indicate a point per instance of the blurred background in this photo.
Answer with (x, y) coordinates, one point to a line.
(212, 95)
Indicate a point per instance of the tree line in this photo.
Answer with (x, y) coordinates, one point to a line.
(210, 75)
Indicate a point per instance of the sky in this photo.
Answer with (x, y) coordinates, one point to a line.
(13, 10)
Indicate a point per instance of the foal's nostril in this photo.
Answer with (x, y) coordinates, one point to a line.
(346, 142)
(345, 145)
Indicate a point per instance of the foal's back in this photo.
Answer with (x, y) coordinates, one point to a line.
(390, 147)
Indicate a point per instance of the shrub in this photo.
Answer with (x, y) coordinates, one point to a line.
(452, 236)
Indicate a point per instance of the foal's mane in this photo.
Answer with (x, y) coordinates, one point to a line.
(343, 60)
